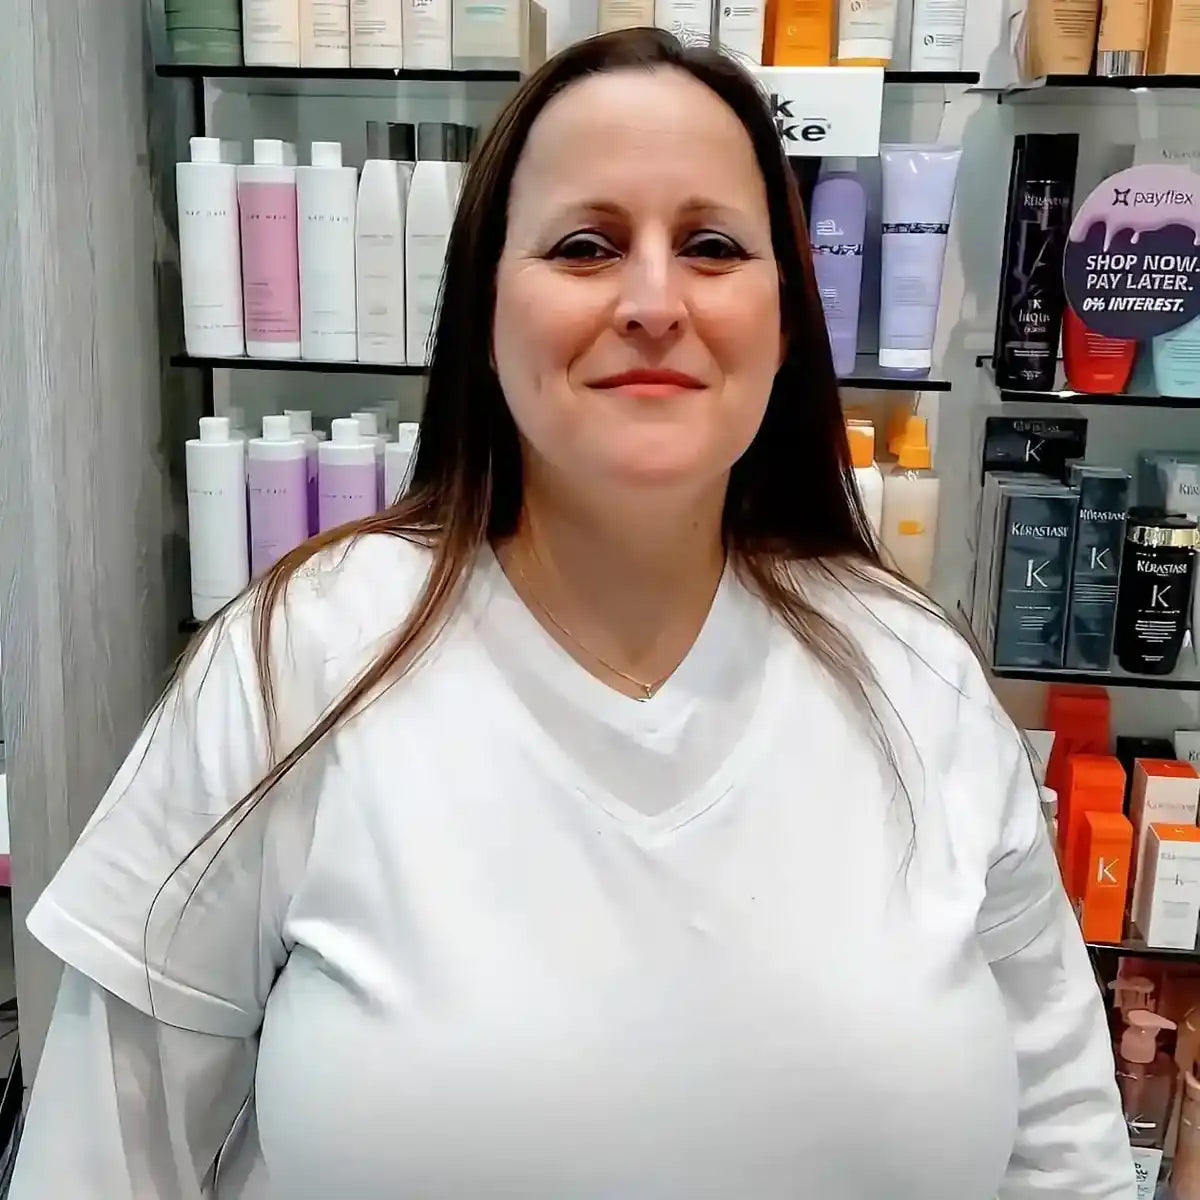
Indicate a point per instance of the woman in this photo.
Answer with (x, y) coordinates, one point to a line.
(602, 822)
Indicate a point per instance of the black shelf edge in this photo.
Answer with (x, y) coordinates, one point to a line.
(1136, 949)
(966, 78)
(294, 364)
(1168, 683)
(397, 75)
(868, 373)
(863, 377)
(1086, 399)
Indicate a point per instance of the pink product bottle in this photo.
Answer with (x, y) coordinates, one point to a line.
(1146, 1077)
(349, 489)
(270, 254)
(301, 422)
(277, 479)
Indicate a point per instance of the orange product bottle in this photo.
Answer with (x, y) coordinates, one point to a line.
(803, 33)
(1107, 846)
(1094, 783)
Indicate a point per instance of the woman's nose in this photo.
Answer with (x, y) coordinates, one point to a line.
(652, 299)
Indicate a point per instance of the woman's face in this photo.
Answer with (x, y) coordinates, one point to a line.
(637, 324)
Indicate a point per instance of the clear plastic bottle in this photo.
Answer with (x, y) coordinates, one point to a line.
(1146, 1077)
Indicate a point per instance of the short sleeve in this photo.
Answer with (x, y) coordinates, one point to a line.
(174, 897)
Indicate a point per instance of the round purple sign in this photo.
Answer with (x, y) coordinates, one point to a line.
(1132, 264)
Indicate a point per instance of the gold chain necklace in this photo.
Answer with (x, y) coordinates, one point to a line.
(647, 689)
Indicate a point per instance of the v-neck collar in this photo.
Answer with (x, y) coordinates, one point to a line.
(654, 764)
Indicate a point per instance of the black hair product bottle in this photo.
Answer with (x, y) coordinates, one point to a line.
(1155, 592)
(1041, 189)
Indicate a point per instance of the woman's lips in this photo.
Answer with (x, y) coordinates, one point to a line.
(648, 382)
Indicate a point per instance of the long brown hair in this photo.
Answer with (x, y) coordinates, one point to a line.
(467, 485)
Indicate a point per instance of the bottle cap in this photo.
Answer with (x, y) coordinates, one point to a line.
(1048, 156)
(277, 428)
(214, 430)
(406, 434)
(205, 149)
(300, 419)
(395, 140)
(271, 152)
(1139, 1042)
(368, 423)
(913, 451)
(862, 444)
(345, 431)
(1147, 528)
(437, 141)
(326, 154)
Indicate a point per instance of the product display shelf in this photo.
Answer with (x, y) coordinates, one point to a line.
(1136, 948)
(1038, 88)
(301, 75)
(1064, 395)
(866, 373)
(1184, 679)
(295, 364)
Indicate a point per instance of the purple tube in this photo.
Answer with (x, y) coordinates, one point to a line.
(836, 230)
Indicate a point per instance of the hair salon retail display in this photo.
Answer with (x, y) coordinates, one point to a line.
(465, 35)
(290, 482)
(314, 262)
(324, 263)
(1120, 37)
(1119, 278)
(1077, 565)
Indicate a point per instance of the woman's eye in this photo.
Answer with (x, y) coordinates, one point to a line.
(584, 247)
(715, 246)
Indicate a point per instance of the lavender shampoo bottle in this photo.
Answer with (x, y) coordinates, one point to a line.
(836, 230)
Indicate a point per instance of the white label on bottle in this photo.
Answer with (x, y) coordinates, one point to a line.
(1145, 1165)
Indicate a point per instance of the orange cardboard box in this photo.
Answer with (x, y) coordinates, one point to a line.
(1094, 783)
(1108, 847)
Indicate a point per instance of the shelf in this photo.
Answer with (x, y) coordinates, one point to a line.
(866, 374)
(1098, 83)
(294, 364)
(1138, 949)
(966, 78)
(1064, 395)
(1176, 682)
(302, 75)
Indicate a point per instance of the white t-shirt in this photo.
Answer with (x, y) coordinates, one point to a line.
(508, 933)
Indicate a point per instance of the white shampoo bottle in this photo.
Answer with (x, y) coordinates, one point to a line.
(301, 422)
(398, 460)
(376, 34)
(216, 499)
(271, 33)
(210, 254)
(326, 197)
(432, 199)
(740, 29)
(379, 241)
(368, 426)
(689, 20)
(867, 476)
(426, 34)
(325, 33)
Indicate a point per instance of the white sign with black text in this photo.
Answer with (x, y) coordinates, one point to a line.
(825, 112)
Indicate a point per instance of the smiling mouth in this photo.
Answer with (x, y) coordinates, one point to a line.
(649, 383)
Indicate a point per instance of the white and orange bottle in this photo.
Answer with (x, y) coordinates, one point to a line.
(867, 476)
(910, 506)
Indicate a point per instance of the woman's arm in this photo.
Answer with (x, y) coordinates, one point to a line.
(1071, 1142)
(125, 1108)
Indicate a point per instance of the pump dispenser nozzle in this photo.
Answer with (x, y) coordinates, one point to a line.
(1139, 1042)
(1134, 992)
